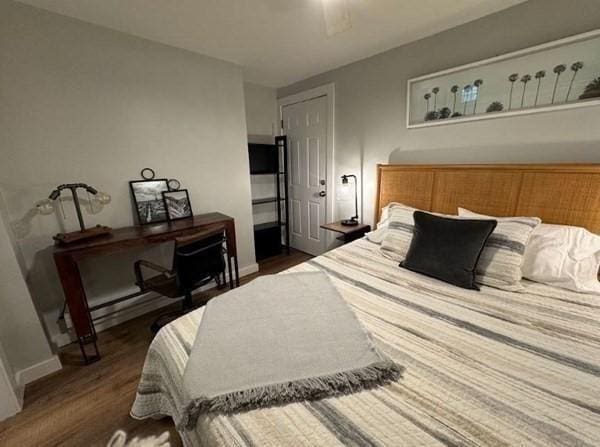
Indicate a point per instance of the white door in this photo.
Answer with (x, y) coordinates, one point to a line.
(305, 124)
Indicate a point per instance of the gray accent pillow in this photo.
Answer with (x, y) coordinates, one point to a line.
(503, 254)
(447, 248)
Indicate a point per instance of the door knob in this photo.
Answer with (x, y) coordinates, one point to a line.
(322, 193)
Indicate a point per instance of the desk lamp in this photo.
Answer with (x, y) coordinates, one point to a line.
(47, 207)
(354, 219)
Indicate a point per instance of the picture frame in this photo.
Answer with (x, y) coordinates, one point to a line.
(557, 75)
(148, 201)
(177, 204)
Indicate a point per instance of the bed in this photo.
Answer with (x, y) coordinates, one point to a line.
(491, 368)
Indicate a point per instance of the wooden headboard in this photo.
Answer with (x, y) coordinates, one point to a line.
(567, 194)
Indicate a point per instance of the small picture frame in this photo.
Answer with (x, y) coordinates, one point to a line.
(148, 200)
(177, 204)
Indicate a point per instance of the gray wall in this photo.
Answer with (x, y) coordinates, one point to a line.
(84, 103)
(11, 396)
(22, 338)
(261, 121)
(371, 100)
(261, 113)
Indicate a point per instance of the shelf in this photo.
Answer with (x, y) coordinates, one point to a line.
(263, 173)
(266, 200)
(266, 173)
(267, 226)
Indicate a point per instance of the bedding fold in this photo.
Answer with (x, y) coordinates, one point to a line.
(280, 339)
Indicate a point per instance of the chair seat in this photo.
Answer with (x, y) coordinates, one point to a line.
(197, 260)
(163, 285)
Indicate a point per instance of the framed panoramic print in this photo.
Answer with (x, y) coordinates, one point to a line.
(558, 75)
(148, 200)
(177, 204)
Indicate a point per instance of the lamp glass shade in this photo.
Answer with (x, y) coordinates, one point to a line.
(103, 198)
(45, 207)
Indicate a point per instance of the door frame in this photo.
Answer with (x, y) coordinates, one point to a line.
(327, 90)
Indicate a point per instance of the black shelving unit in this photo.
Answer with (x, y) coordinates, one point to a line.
(271, 159)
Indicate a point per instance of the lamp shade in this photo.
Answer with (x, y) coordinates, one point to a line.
(103, 198)
(45, 207)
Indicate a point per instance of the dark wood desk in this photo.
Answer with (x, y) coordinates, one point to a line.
(122, 239)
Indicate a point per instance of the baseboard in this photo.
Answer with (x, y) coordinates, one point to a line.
(11, 402)
(37, 371)
(149, 303)
(12, 393)
(249, 269)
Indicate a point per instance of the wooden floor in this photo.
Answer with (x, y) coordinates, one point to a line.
(85, 405)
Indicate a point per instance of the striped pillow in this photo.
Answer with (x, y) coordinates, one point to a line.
(502, 257)
(399, 232)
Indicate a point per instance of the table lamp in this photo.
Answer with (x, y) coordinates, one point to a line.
(354, 219)
(47, 207)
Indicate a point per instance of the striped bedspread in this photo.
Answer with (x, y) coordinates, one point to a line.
(489, 368)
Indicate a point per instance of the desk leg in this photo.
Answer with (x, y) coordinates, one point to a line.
(237, 272)
(232, 252)
(230, 272)
(79, 312)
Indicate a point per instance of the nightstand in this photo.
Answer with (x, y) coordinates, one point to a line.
(348, 233)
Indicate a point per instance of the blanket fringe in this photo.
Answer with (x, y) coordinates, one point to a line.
(344, 382)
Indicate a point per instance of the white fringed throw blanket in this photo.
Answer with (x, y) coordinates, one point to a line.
(279, 339)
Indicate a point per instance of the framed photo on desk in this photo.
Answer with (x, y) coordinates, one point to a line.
(177, 204)
(148, 200)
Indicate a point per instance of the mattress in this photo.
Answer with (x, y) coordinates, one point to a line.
(488, 368)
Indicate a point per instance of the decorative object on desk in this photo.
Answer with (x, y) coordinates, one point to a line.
(575, 67)
(148, 200)
(177, 204)
(496, 106)
(46, 207)
(174, 184)
(148, 174)
(592, 90)
(354, 219)
(539, 75)
(525, 79)
(558, 70)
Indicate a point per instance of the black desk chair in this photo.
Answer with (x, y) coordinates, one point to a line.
(197, 260)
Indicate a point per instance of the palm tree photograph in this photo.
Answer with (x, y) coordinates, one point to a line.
(558, 70)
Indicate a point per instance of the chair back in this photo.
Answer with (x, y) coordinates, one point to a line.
(199, 258)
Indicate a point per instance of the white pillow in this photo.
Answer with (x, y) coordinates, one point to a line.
(563, 256)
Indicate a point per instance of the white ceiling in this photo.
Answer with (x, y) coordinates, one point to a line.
(277, 42)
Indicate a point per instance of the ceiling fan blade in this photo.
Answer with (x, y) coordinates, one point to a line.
(337, 17)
